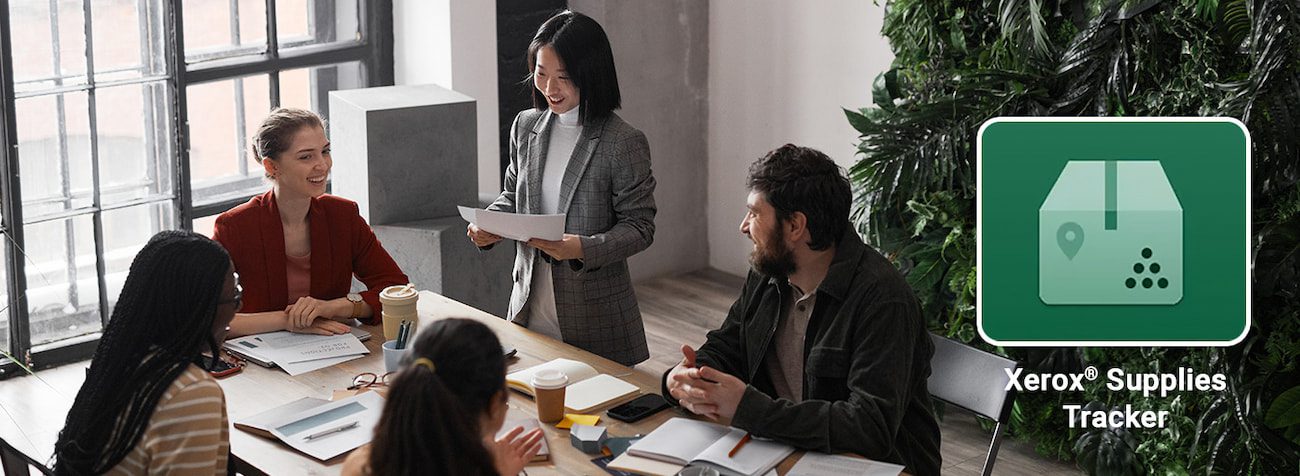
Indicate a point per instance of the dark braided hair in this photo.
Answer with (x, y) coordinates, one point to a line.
(431, 421)
(162, 322)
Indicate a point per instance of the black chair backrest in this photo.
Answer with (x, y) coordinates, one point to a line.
(971, 378)
(15, 463)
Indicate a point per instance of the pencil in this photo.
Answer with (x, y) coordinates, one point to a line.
(739, 444)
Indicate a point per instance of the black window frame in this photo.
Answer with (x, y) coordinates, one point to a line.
(374, 52)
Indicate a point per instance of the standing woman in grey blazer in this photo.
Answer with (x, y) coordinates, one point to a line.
(571, 154)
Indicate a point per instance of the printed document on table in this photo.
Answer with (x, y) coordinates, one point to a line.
(288, 348)
(363, 410)
(518, 227)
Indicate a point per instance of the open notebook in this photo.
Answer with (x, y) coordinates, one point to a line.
(682, 441)
(587, 388)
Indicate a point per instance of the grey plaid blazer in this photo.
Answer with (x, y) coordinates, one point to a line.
(608, 194)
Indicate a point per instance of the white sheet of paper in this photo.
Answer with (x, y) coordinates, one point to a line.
(288, 348)
(298, 368)
(516, 226)
(822, 464)
(364, 409)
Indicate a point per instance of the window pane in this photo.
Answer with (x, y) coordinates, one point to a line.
(54, 153)
(203, 226)
(222, 115)
(308, 87)
(304, 22)
(54, 43)
(126, 230)
(223, 28)
(4, 302)
(62, 287)
(134, 142)
(128, 38)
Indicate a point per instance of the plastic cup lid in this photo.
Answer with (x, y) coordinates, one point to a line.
(550, 379)
(404, 291)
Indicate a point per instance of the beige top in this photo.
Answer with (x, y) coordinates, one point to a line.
(358, 462)
(297, 273)
(188, 432)
(785, 363)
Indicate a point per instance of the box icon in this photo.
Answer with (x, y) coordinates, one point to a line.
(1110, 232)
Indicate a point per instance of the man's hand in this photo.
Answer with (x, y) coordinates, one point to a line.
(570, 247)
(479, 237)
(683, 380)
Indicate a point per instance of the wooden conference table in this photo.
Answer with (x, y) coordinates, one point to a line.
(258, 389)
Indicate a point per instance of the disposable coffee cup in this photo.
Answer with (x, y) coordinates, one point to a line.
(399, 304)
(393, 356)
(548, 386)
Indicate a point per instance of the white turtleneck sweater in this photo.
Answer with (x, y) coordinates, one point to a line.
(565, 131)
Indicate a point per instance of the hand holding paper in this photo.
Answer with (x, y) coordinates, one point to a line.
(515, 226)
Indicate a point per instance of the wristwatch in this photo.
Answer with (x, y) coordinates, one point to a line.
(356, 304)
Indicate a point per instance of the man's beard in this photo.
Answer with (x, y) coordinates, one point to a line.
(775, 259)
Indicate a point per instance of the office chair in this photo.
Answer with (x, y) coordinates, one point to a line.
(976, 381)
(15, 463)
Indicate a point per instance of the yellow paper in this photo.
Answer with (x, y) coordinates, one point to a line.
(571, 418)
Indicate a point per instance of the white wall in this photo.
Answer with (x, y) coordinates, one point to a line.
(428, 47)
(779, 72)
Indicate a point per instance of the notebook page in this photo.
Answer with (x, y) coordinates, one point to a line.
(822, 464)
(577, 371)
(678, 440)
(756, 457)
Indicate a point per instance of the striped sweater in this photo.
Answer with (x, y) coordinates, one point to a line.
(188, 432)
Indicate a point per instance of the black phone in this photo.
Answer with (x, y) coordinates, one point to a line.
(222, 368)
(639, 408)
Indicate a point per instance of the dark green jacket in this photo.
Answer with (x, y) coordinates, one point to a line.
(866, 361)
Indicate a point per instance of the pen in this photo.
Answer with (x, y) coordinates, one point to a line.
(332, 431)
(735, 449)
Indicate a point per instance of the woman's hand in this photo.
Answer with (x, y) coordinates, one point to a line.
(479, 237)
(570, 247)
(514, 450)
(306, 309)
(324, 327)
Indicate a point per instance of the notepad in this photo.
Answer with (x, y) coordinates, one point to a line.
(587, 390)
(682, 441)
(529, 424)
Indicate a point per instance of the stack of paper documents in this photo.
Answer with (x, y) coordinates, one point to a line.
(298, 353)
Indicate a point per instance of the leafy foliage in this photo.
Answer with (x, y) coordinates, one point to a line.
(959, 63)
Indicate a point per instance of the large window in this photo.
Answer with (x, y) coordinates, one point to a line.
(123, 118)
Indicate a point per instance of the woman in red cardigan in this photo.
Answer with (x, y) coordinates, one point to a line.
(296, 248)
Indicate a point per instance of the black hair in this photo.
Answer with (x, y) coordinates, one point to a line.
(161, 322)
(431, 421)
(588, 59)
(800, 179)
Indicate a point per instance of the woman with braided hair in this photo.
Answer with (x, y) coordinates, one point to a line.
(444, 409)
(147, 407)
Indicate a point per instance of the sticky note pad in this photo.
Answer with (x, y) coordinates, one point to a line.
(571, 418)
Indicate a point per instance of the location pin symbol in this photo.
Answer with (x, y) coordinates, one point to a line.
(1070, 238)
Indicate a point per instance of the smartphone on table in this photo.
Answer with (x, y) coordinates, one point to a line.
(639, 408)
(225, 366)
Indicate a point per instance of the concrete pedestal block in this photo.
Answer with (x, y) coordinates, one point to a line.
(438, 257)
(404, 153)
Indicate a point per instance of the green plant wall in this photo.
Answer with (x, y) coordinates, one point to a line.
(961, 62)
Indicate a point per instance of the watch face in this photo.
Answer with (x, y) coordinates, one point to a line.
(354, 297)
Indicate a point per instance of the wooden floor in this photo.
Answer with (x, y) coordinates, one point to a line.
(681, 309)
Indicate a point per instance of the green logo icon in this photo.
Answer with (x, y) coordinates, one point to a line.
(1110, 232)
(1113, 231)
